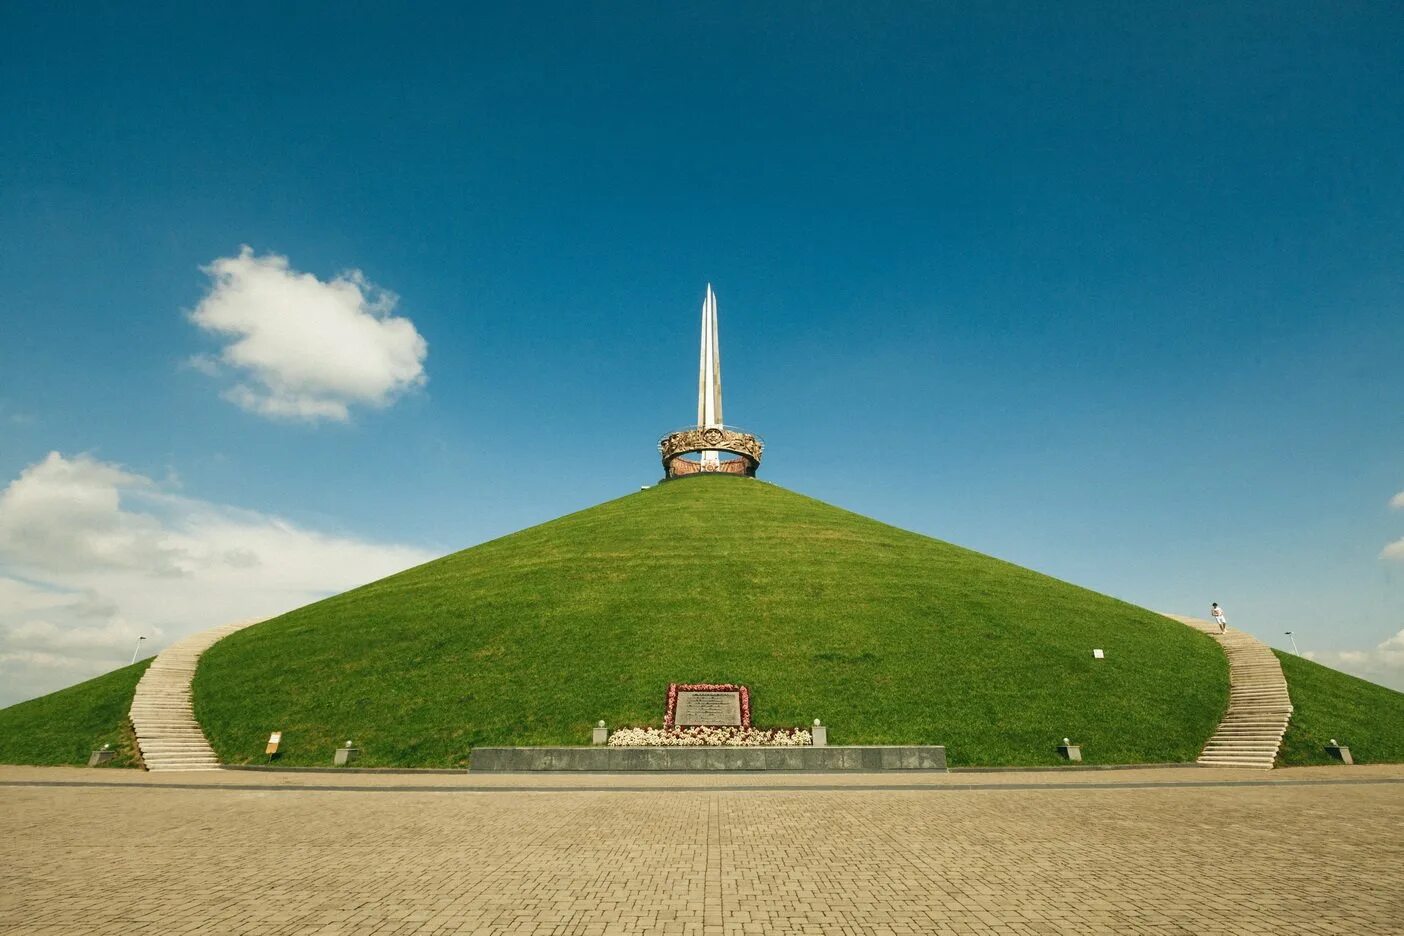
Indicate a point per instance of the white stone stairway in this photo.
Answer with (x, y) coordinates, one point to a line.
(1259, 706)
(162, 714)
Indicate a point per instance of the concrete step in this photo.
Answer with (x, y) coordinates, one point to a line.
(1226, 757)
(1274, 736)
(172, 754)
(1263, 718)
(155, 769)
(1245, 733)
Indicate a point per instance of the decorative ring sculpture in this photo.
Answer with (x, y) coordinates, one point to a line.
(676, 445)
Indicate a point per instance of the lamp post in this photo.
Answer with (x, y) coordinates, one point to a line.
(137, 648)
(1294, 643)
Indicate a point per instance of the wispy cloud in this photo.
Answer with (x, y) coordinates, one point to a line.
(93, 555)
(9, 413)
(1395, 550)
(302, 348)
(1384, 664)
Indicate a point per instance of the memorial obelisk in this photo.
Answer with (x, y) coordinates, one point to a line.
(711, 447)
(709, 399)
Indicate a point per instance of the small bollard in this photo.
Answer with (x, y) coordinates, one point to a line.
(820, 734)
(1339, 751)
(346, 755)
(1072, 752)
(601, 733)
(101, 756)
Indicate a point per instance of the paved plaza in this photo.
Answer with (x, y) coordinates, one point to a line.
(1312, 850)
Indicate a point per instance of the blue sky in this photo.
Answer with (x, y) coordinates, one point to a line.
(1112, 291)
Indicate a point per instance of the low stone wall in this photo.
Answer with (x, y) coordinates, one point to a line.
(690, 759)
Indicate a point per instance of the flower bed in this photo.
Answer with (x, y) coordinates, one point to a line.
(711, 737)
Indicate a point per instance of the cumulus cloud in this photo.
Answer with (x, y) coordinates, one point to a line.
(303, 348)
(63, 515)
(1395, 550)
(1384, 664)
(93, 556)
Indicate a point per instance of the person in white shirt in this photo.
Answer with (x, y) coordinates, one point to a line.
(1218, 614)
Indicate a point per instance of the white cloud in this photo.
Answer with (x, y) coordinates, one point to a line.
(63, 515)
(303, 348)
(93, 556)
(1384, 664)
(1395, 550)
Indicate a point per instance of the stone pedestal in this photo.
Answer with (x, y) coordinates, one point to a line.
(1340, 752)
(820, 734)
(808, 759)
(1072, 752)
(100, 757)
(346, 756)
(600, 735)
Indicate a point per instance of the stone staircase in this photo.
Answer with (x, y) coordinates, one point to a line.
(162, 715)
(1259, 707)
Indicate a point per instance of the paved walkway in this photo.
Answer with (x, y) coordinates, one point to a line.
(1193, 851)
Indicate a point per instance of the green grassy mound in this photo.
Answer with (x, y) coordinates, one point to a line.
(1327, 703)
(888, 636)
(64, 727)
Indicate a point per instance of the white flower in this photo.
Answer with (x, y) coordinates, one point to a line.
(711, 736)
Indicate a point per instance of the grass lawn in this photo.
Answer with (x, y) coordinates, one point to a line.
(889, 636)
(64, 727)
(1326, 703)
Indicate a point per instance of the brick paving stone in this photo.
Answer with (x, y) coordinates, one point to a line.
(959, 854)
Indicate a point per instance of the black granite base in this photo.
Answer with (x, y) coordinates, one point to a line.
(698, 759)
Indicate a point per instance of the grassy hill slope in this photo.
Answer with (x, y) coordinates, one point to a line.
(64, 727)
(1367, 718)
(889, 636)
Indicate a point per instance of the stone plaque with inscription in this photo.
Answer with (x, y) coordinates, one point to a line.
(708, 708)
(708, 704)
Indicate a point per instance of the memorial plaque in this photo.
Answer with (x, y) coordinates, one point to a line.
(708, 708)
(707, 704)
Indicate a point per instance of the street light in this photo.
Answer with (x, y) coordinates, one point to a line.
(1294, 643)
(137, 648)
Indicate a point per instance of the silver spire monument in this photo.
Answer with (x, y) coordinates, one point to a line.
(710, 447)
(709, 391)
